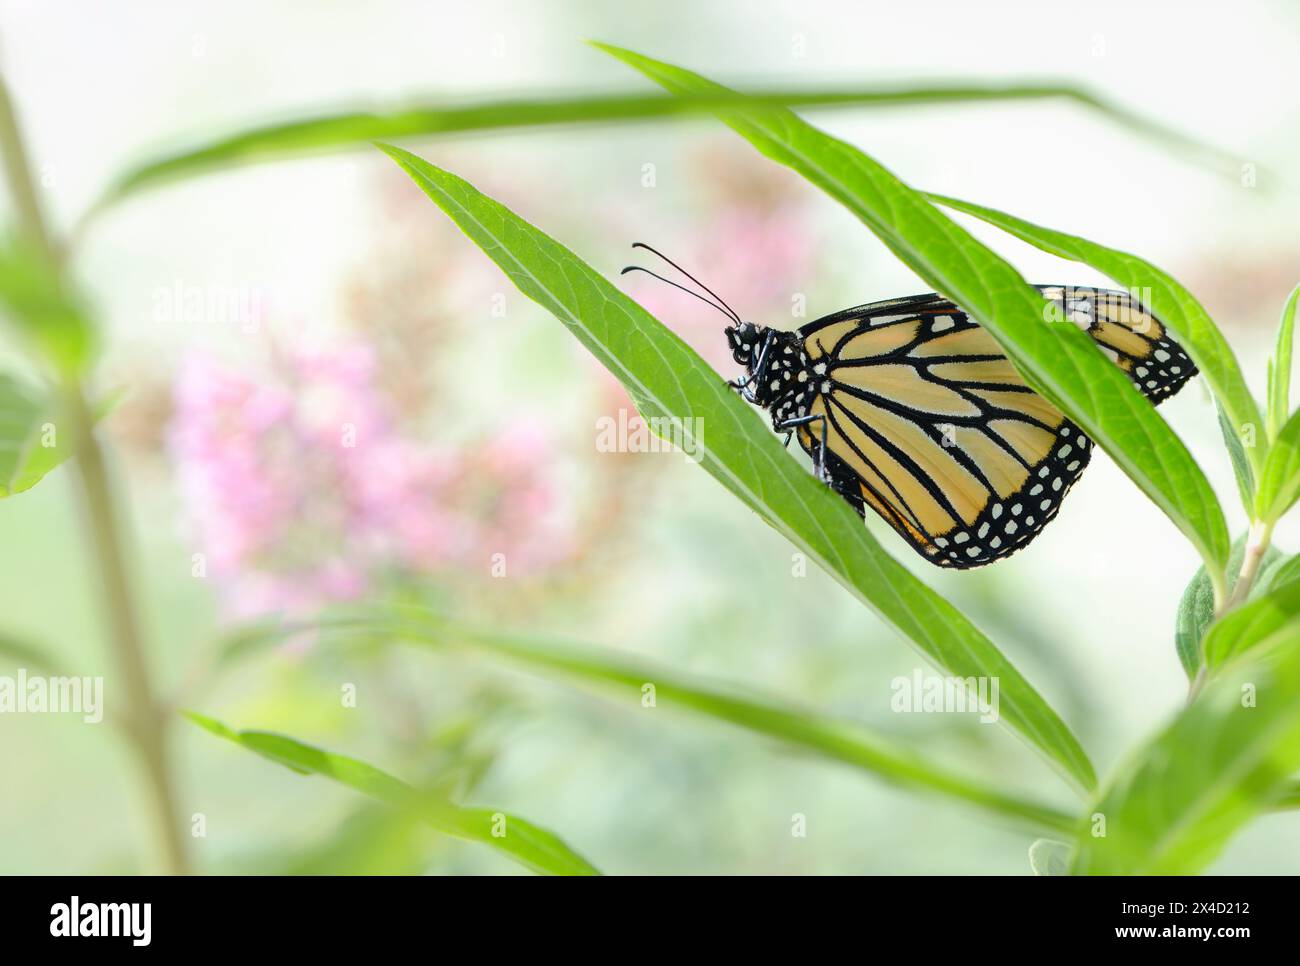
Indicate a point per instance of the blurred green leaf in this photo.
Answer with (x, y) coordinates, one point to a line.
(1196, 609)
(1229, 756)
(38, 306)
(531, 846)
(1060, 361)
(830, 738)
(1283, 572)
(343, 130)
(1049, 857)
(27, 424)
(1289, 798)
(675, 385)
(373, 840)
(1279, 369)
(1246, 626)
(1279, 484)
(1172, 304)
(22, 653)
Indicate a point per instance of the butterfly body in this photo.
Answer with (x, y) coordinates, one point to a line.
(911, 408)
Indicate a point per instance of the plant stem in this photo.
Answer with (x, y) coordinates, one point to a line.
(145, 722)
(1256, 546)
(1261, 532)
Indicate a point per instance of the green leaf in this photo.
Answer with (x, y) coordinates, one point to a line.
(1050, 857)
(343, 130)
(1241, 470)
(1163, 295)
(40, 308)
(1279, 369)
(674, 384)
(1229, 756)
(1197, 607)
(17, 653)
(531, 846)
(1286, 570)
(1245, 627)
(27, 424)
(1279, 484)
(1289, 798)
(1060, 361)
(830, 738)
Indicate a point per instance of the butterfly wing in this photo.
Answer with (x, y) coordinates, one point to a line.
(929, 424)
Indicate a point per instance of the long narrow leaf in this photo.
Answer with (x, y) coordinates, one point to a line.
(1229, 756)
(1171, 302)
(1058, 360)
(677, 388)
(343, 130)
(834, 739)
(1279, 483)
(1279, 368)
(531, 846)
(1241, 470)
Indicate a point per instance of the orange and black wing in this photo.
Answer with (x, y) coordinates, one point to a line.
(930, 425)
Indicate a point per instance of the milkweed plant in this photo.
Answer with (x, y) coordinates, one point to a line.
(1231, 754)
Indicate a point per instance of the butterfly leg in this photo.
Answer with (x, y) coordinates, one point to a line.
(819, 462)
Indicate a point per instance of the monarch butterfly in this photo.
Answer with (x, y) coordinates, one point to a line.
(910, 407)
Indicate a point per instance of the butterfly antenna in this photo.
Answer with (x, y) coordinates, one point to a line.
(638, 268)
(727, 308)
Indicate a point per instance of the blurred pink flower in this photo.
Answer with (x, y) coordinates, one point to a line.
(302, 488)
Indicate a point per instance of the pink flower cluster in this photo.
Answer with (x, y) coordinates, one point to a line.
(304, 489)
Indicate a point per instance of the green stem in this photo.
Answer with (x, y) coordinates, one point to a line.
(1261, 532)
(145, 720)
(145, 723)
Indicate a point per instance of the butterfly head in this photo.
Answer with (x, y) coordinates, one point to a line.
(745, 339)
